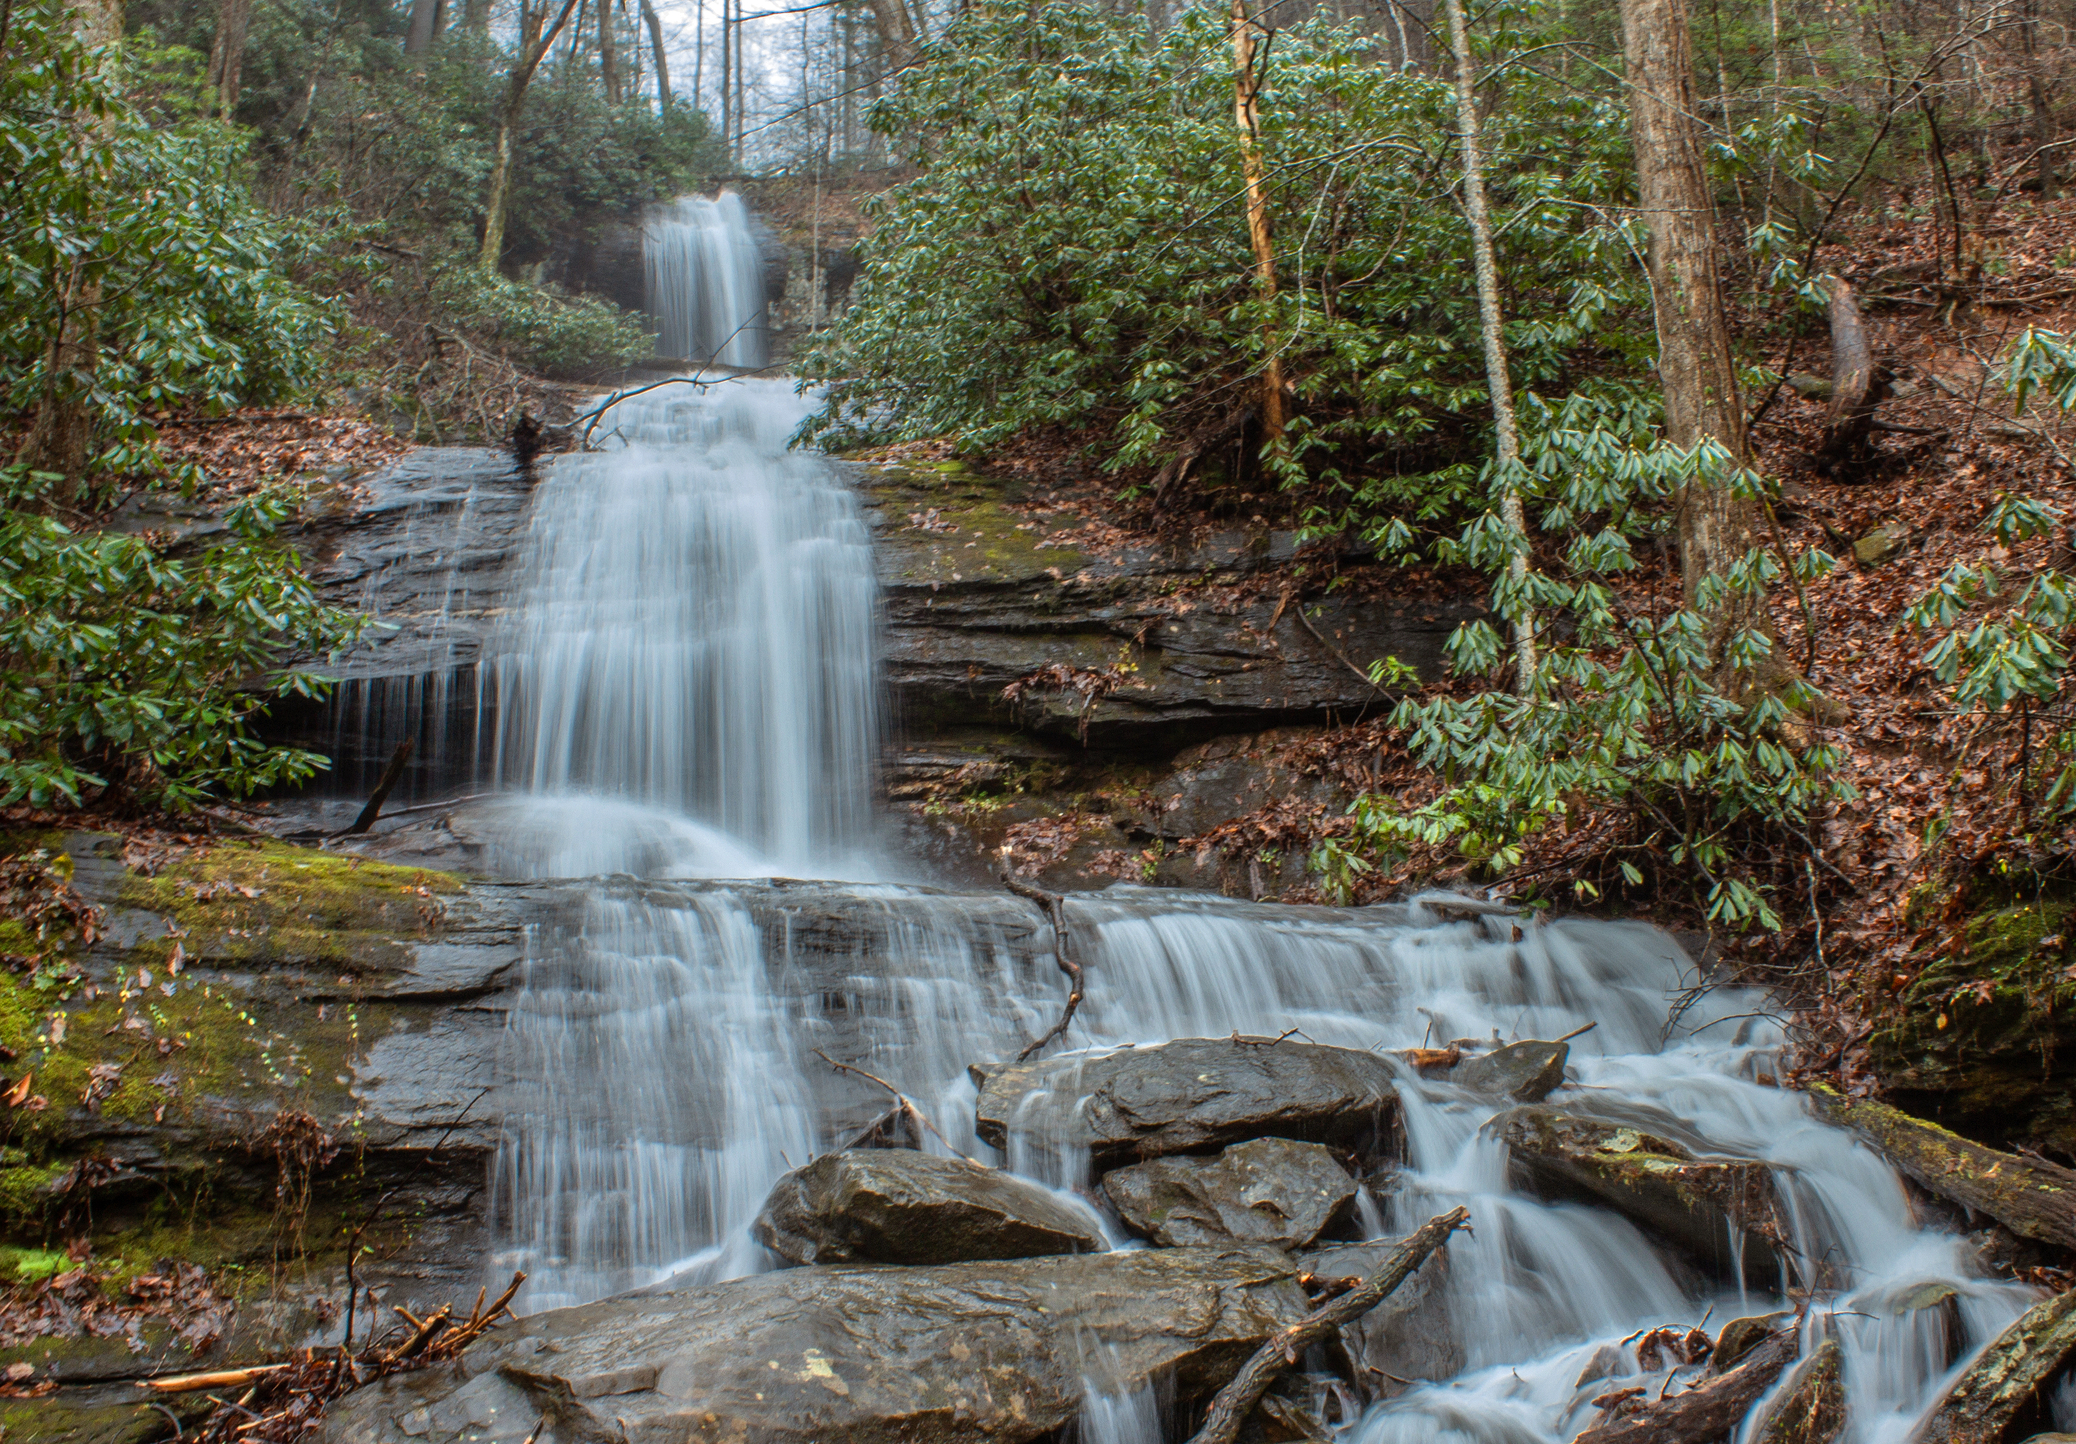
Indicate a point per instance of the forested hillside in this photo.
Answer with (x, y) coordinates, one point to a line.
(1683, 391)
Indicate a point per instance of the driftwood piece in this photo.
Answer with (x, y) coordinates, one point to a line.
(390, 776)
(1709, 1410)
(2031, 1197)
(219, 1379)
(1984, 1400)
(1287, 1345)
(1859, 383)
(1056, 909)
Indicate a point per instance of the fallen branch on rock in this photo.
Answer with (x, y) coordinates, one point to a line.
(2008, 1374)
(1287, 1345)
(2031, 1197)
(285, 1402)
(1709, 1410)
(902, 1103)
(1055, 908)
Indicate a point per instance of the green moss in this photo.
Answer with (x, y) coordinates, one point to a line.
(269, 902)
(981, 537)
(29, 1264)
(1984, 1038)
(25, 1189)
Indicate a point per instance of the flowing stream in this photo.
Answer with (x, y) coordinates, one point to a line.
(686, 690)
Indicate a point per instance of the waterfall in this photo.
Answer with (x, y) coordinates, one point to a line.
(685, 692)
(694, 629)
(706, 281)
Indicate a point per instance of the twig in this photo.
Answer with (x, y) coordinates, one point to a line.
(1577, 1031)
(1287, 1345)
(1056, 908)
(219, 1379)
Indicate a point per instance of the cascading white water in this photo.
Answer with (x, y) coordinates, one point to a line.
(695, 641)
(695, 630)
(706, 281)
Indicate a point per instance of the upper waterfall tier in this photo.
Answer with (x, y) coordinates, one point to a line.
(695, 626)
(706, 281)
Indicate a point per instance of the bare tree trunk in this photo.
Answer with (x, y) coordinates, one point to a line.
(896, 32)
(475, 14)
(60, 435)
(1498, 379)
(227, 52)
(727, 95)
(608, 53)
(533, 47)
(2036, 92)
(654, 22)
(1695, 367)
(420, 38)
(1247, 120)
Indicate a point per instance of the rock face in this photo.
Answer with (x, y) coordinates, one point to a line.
(1527, 1072)
(1190, 1095)
(1691, 1203)
(1269, 1191)
(992, 1352)
(1412, 1335)
(899, 1206)
(1811, 1409)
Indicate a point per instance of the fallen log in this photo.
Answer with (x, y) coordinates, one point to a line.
(1709, 1410)
(1812, 1411)
(1287, 1345)
(2008, 1374)
(2031, 1197)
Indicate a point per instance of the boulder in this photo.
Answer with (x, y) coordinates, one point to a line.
(1527, 1072)
(1269, 1190)
(1409, 1337)
(991, 1353)
(1692, 1203)
(899, 1206)
(1810, 1408)
(1190, 1095)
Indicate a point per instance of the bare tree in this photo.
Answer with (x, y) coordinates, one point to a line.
(654, 22)
(227, 52)
(1247, 119)
(1695, 366)
(608, 53)
(1498, 379)
(424, 24)
(533, 48)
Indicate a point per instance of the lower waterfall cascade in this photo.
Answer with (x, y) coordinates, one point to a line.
(686, 697)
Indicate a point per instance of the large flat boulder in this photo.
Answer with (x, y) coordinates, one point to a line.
(1191, 1095)
(1268, 1190)
(972, 1353)
(900, 1206)
(1693, 1203)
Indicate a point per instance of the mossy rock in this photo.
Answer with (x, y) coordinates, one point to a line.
(1984, 1038)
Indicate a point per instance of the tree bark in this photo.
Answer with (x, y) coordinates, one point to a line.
(1498, 379)
(2034, 1199)
(654, 22)
(533, 47)
(896, 33)
(1695, 366)
(1247, 120)
(608, 53)
(1709, 1410)
(1983, 1402)
(420, 37)
(60, 436)
(1859, 383)
(227, 52)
